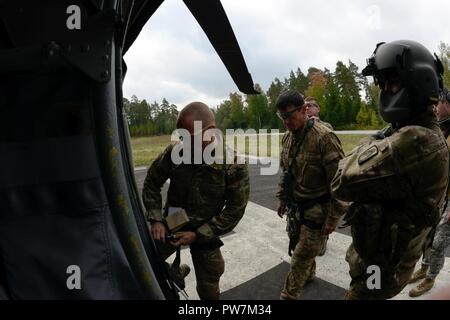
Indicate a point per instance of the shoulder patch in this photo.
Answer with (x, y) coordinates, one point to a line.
(368, 154)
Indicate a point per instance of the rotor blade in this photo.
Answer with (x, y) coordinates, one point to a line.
(141, 11)
(212, 18)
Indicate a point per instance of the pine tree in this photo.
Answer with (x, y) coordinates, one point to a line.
(258, 113)
(348, 80)
(275, 89)
(237, 115)
(364, 117)
(333, 102)
(297, 81)
(444, 55)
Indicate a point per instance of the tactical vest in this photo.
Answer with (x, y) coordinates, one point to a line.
(307, 162)
(199, 189)
(397, 186)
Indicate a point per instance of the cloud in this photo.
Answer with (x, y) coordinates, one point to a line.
(173, 58)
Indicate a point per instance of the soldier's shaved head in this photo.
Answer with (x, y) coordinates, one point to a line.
(196, 111)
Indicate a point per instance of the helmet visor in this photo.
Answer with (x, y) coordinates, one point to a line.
(390, 55)
(386, 56)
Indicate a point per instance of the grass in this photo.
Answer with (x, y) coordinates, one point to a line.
(146, 149)
(350, 141)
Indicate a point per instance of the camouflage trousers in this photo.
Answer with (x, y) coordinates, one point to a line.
(434, 255)
(208, 265)
(394, 276)
(303, 264)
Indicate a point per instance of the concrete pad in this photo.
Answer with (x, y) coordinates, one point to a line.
(257, 252)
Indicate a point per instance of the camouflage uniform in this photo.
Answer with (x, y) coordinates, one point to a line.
(329, 126)
(434, 254)
(398, 184)
(214, 197)
(316, 161)
(326, 124)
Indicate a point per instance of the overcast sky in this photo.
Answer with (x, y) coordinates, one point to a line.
(173, 58)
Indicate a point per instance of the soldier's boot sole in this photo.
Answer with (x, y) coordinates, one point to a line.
(422, 288)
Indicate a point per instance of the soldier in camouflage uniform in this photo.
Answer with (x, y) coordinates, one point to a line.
(313, 110)
(309, 160)
(434, 255)
(397, 179)
(213, 195)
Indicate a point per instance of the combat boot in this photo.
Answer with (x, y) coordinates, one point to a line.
(419, 274)
(287, 296)
(423, 287)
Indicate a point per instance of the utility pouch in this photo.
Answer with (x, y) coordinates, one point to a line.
(367, 230)
(293, 227)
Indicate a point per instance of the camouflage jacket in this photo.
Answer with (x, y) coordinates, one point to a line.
(405, 172)
(445, 127)
(326, 124)
(313, 169)
(214, 196)
(446, 132)
(448, 141)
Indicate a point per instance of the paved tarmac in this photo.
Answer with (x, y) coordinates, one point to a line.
(256, 256)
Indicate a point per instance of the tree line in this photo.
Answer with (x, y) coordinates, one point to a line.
(347, 100)
(338, 94)
(149, 119)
